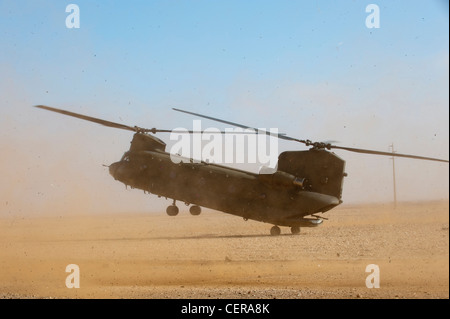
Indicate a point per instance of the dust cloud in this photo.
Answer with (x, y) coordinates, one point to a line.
(216, 255)
(57, 167)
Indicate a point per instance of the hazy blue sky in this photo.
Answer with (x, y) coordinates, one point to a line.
(310, 68)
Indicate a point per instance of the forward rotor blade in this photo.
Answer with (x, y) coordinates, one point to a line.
(126, 127)
(279, 135)
(89, 118)
(372, 152)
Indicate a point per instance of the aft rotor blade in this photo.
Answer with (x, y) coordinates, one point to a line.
(89, 118)
(279, 135)
(318, 145)
(372, 152)
(155, 130)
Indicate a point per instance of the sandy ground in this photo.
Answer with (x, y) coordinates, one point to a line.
(215, 255)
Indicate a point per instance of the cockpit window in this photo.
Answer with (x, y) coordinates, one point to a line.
(126, 157)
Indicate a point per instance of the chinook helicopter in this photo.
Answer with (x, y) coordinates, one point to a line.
(304, 183)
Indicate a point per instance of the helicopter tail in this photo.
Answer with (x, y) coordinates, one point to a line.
(323, 170)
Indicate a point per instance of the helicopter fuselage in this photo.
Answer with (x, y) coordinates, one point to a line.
(280, 198)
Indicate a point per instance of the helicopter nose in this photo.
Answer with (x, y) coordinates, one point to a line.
(113, 169)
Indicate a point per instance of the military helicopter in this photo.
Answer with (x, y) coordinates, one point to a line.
(304, 183)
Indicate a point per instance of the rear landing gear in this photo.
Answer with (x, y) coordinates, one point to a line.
(275, 231)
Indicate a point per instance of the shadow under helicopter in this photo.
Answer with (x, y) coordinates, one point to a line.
(203, 236)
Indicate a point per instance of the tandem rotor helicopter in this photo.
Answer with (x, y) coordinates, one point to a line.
(304, 184)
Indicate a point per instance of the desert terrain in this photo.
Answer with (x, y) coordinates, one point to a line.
(215, 255)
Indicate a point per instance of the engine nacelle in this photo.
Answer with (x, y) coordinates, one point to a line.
(280, 178)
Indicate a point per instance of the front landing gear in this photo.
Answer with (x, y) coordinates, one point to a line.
(275, 231)
(172, 210)
(195, 210)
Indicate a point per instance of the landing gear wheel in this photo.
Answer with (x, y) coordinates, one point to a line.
(172, 210)
(195, 210)
(295, 230)
(275, 231)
